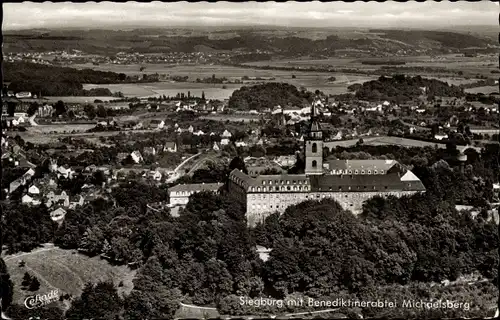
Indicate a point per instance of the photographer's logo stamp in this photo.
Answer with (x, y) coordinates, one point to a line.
(41, 300)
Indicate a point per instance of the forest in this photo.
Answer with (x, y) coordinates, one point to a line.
(57, 81)
(401, 88)
(268, 95)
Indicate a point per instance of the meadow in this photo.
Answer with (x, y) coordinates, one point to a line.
(472, 65)
(60, 128)
(485, 89)
(65, 270)
(387, 140)
(78, 99)
(309, 80)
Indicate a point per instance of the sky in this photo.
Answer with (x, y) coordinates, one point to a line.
(103, 15)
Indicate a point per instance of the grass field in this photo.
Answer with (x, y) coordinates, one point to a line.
(474, 65)
(65, 270)
(485, 89)
(37, 138)
(309, 80)
(71, 99)
(232, 118)
(386, 140)
(60, 128)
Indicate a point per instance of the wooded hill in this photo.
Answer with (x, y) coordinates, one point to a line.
(268, 95)
(401, 88)
(142, 40)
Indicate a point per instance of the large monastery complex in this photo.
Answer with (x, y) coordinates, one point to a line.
(350, 182)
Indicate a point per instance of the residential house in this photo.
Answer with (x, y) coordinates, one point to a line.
(157, 175)
(14, 185)
(286, 161)
(34, 190)
(65, 173)
(26, 199)
(58, 214)
(240, 144)
(53, 198)
(170, 147)
(337, 136)
(149, 150)
(121, 156)
(226, 134)
(224, 142)
(215, 147)
(76, 201)
(440, 136)
(199, 133)
(136, 156)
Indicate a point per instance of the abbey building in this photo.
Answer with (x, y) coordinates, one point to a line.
(349, 182)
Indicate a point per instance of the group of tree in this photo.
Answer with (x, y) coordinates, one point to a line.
(269, 95)
(30, 282)
(58, 81)
(212, 79)
(401, 88)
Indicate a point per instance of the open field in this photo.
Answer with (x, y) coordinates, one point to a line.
(485, 89)
(232, 118)
(386, 140)
(307, 79)
(60, 128)
(473, 65)
(93, 137)
(65, 270)
(73, 99)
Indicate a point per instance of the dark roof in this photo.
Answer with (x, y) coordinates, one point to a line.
(361, 164)
(196, 187)
(315, 126)
(367, 183)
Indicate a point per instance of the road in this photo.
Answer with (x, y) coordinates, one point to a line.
(200, 162)
(177, 171)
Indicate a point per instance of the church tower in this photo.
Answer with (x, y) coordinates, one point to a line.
(314, 146)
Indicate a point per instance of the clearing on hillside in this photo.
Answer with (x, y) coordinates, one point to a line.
(65, 270)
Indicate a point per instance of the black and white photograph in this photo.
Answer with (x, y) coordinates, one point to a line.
(250, 160)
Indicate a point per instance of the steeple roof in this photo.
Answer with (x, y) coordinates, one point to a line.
(314, 123)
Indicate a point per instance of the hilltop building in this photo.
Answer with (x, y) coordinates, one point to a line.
(350, 182)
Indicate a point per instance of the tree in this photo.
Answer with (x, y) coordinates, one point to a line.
(100, 301)
(11, 108)
(60, 108)
(34, 285)
(26, 280)
(89, 111)
(32, 109)
(101, 111)
(238, 163)
(6, 287)
(203, 95)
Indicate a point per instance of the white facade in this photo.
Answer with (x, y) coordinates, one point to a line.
(34, 190)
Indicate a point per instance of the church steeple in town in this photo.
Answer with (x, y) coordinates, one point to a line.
(314, 146)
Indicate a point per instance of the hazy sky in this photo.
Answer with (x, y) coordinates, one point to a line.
(313, 14)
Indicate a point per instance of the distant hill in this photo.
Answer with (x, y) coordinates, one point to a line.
(401, 88)
(291, 42)
(268, 95)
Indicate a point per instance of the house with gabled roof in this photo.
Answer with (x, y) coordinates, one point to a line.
(58, 214)
(170, 146)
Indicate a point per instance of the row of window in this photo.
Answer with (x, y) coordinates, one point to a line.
(345, 171)
(270, 182)
(282, 188)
